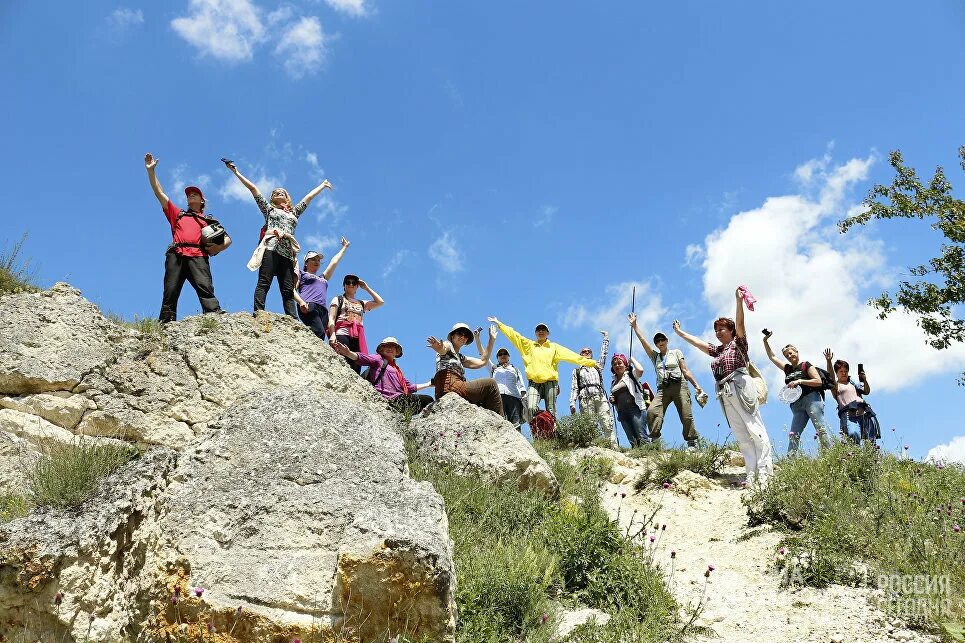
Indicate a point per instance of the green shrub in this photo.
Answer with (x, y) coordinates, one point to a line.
(15, 274)
(579, 430)
(67, 473)
(514, 549)
(707, 460)
(12, 506)
(892, 515)
(209, 323)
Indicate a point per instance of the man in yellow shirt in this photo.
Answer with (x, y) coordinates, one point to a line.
(540, 360)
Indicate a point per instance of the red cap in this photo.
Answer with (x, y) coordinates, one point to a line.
(191, 188)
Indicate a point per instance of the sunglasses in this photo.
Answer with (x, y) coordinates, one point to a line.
(351, 283)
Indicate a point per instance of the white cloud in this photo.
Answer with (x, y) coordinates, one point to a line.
(694, 254)
(232, 189)
(124, 18)
(446, 254)
(610, 313)
(328, 209)
(352, 7)
(546, 213)
(318, 243)
(181, 177)
(283, 13)
(312, 159)
(303, 47)
(224, 29)
(394, 262)
(954, 451)
(813, 283)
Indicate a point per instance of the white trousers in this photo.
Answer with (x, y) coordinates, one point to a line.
(751, 435)
(601, 408)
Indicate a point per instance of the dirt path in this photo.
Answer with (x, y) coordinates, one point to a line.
(744, 601)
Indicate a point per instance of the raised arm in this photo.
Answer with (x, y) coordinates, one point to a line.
(150, 163)
(863, 378)
(376, 299)
(484, 354)
(334, 262)
(632, 318)
(244, 181)
(697, 343)
(770, 354)
(637, 368)
(315, 191)
(563, 354)
(828, 356)
(604, 350)
(739, 315)
(521, 343)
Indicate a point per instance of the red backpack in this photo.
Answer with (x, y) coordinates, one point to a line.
(543, 425)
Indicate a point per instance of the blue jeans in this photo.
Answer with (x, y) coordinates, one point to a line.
(634, 425)
(809, 406)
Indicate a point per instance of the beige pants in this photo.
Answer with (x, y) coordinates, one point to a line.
(601, 409)
(677, 394)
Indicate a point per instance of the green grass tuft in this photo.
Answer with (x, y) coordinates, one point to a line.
(12, 506)
(67, 473)
(855, 515)
(707, 459)
(15, 274)
(579, 430)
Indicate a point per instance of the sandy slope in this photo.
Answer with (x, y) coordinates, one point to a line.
(744, 600)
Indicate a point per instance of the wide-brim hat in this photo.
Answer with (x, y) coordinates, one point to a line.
(389, 340)
(312, 254)
(458, 327)
(542, 325)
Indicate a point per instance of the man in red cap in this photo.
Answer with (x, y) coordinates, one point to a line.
(187, 256)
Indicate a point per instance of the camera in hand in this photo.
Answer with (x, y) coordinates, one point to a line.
(767, 333)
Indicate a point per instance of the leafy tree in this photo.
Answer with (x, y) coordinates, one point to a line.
(941, 286)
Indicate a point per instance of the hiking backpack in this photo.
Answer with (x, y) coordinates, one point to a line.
(827, 382)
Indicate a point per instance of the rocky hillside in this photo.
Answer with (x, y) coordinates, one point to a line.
(272, 499)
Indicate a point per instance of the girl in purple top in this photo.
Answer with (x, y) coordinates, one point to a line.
(311, 290)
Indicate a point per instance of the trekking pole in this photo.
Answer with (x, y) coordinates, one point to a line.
(633, 309)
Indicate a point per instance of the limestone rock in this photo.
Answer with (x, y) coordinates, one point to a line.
(167, 387)
(296, 507)
(456, 433)
(94, 557)
(691, 484)
(64, 410)
(50, 340)
(734, 459)
(572, 619)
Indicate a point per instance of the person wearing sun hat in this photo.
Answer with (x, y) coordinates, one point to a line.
(451, 365)
(541, 358)
(386, 376)
(186, 258)
(311, 289)
(345, 314)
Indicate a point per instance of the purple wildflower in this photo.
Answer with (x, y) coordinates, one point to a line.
(956, 529)
(666, 485)
(58, 598)
(198, 591)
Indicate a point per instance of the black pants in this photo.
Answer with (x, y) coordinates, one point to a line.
(413, 402)
(197, 271)
(353, 345)
(276, 266)
(316, 318)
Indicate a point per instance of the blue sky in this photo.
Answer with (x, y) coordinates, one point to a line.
(529, 160)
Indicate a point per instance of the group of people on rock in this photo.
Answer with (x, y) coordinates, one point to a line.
(196, 236)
